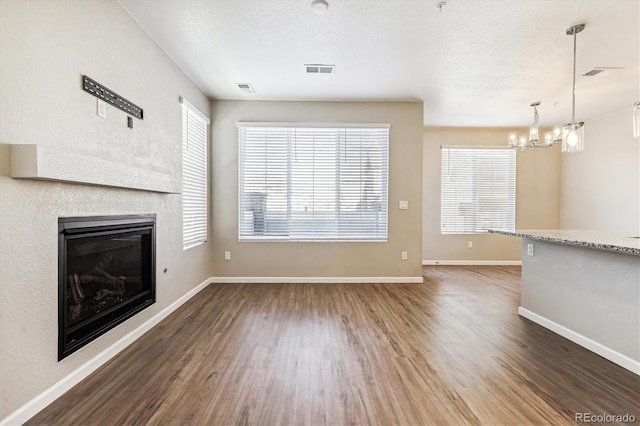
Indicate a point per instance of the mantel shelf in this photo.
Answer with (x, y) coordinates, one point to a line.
(34, 161)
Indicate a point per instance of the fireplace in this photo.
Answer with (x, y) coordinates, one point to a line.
(106, 274)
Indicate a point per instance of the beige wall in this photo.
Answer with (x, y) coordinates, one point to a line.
(601, 185)
(45, 46)
(537, 197)
(297, 259)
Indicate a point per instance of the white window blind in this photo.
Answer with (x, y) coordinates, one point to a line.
(312, 183)
(478, 190)
(194, 176)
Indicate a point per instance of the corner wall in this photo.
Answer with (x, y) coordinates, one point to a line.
(45, 47)
(319, 259)
(601, 185)
(537, 197)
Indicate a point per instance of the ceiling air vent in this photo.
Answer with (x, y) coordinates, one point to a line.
(245, 87)
(602, 71)
(319, 68)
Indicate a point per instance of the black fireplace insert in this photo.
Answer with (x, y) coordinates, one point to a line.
(106, 274)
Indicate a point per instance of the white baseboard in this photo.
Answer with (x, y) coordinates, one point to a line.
(604, 351)
(37, 404)
(471, 262)
(313, 280)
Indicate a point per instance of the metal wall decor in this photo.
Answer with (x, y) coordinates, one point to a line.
(112, 98)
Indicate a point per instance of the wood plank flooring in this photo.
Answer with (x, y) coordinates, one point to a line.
(452, 350)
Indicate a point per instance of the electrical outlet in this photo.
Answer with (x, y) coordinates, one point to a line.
(102, 108)
(403, 255)
(529, 249)
(470, 244)
(403, 205)
(227, 255)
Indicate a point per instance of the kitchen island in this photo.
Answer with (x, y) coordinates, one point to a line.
(585, 286)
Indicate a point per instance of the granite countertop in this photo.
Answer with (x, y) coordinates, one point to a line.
(600, 240)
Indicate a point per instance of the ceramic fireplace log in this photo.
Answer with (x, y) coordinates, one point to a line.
(77, 294)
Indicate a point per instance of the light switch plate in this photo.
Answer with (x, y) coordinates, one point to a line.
(102, 108)
(529, 249)
(403, 205)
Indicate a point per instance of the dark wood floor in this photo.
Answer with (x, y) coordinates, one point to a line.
(450, 351)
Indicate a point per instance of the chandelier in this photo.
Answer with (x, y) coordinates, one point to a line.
(571, 135)
(532, 140)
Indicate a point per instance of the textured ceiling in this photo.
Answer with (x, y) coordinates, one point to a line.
(477, 63)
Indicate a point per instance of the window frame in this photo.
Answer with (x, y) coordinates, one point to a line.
(196, 166)
(289, 237)
(509, 161)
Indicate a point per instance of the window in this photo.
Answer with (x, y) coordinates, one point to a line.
(312, 183)
(478, 190)
(194, 176)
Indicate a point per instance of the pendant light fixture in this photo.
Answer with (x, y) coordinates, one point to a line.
(573, 133)
(636, 120)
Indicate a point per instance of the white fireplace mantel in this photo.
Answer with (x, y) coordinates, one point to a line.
(35, 161)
